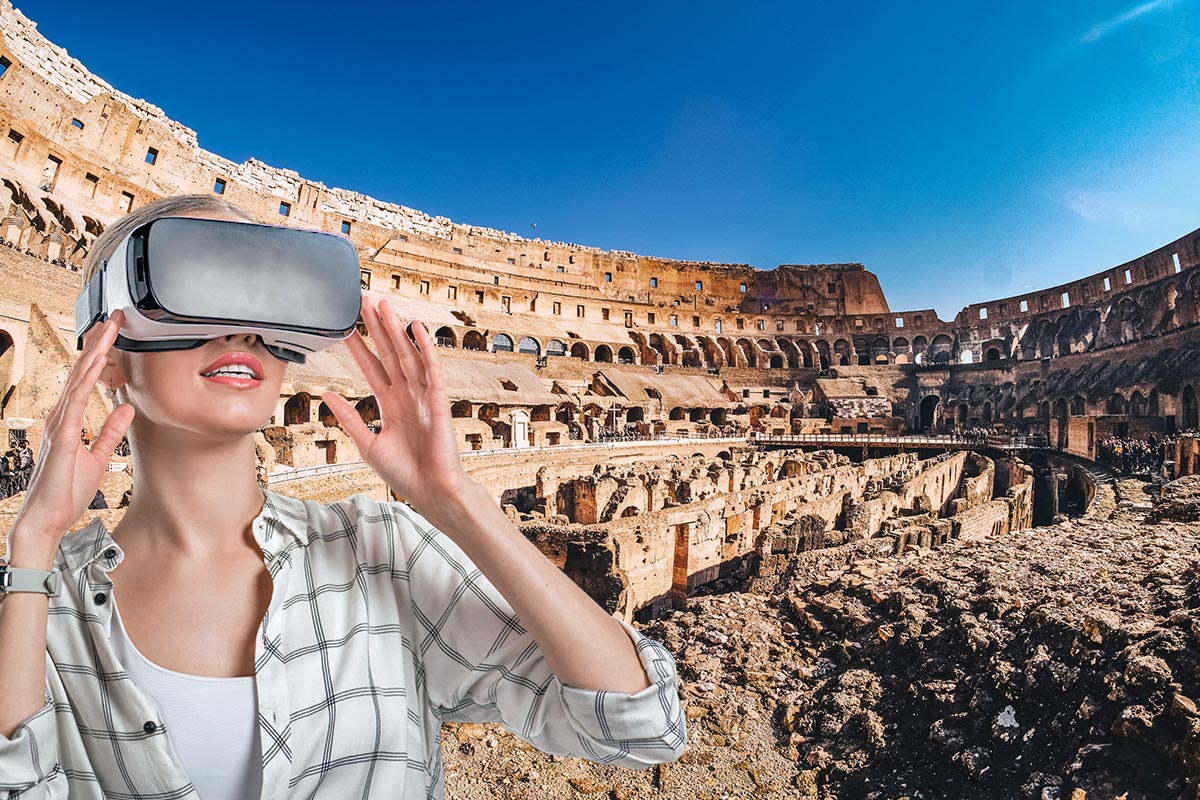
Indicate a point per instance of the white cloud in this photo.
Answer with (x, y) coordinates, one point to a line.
(1108, 26)
(1108, 207)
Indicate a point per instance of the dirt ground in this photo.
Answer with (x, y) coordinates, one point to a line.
(1059, 663)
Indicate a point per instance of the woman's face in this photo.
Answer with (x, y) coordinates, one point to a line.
(167, 389)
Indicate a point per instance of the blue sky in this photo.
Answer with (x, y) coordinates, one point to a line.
(962, 151)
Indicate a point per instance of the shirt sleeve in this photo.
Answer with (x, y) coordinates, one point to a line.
(29, 761)
(480, 664)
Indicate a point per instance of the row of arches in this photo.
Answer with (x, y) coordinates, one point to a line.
(931, 412)
(697, 350)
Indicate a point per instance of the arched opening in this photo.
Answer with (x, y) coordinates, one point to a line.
(929, 411)
(502, 342)
(555, 348)
(474, 340)
(460, 409)
(444, 336)
(565, 413)
(603, 354)
(368, 409)
(776, 362)
(625, 355)
(529, 345)
(993, 354)
(1078, 406)
(1137, 404)
(298, 409)
(579, 350)
(325, 415)
(1191, 415)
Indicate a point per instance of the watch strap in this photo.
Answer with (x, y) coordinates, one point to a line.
(20, 579)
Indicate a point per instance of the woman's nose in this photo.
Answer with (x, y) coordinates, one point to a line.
(249, 338)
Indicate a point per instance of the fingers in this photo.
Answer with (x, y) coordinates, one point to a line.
(433, 364)
(383, 342)
(83, 376)
(406, 351)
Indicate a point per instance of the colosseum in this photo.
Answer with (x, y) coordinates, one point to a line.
(689, 441)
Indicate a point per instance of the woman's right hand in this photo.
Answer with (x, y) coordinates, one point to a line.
(67, 474)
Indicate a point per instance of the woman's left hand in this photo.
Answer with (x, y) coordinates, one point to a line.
(415, 451)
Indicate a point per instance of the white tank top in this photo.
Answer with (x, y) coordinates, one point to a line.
(213, 722)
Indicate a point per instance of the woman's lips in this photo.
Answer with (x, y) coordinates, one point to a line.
(236, 382)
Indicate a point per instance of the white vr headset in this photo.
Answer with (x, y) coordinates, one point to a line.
(184, 280)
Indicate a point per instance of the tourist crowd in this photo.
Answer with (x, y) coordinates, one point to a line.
(15, 468)
(58, 262)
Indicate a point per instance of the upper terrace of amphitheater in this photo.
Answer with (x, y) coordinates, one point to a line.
(76, 153)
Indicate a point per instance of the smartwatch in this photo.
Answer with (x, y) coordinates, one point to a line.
(19, 579)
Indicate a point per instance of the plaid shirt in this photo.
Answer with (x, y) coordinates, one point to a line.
(379, 630)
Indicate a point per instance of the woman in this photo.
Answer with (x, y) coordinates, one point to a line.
(225, 639)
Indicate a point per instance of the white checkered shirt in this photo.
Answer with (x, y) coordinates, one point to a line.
(379, 630)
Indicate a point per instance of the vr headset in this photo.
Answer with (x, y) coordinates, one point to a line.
(184, 280)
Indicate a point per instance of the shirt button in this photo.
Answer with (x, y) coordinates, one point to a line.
(150, 726)
(100, 598)
(110, 552)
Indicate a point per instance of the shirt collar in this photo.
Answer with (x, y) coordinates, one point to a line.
(280, 516)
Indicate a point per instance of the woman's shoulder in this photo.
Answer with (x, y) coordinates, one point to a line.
(359, 514)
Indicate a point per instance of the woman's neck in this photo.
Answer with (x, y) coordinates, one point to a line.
(192, 500)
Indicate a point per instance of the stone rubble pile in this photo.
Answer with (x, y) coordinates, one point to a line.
(1059, 663)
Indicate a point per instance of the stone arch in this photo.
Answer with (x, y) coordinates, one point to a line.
(939, 349)
(603, 354)
(929, 411)
(502, 342)
(445, 337)
(298, 409)
(880, 347)
(368, 409)
(474, 340)
(1137, 404)
(528, 344)
(325, 415)
(566, 413)
(841, 353)
(579, 350)
(1191, 413)
(461, 409)
(747, 348)
(625, 355)
(555, 347)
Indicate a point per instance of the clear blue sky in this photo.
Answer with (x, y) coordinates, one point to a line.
(962, 151)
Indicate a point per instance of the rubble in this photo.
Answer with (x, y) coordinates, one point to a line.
(1055, 662)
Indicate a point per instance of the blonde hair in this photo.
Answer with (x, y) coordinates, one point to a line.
(107, 241)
